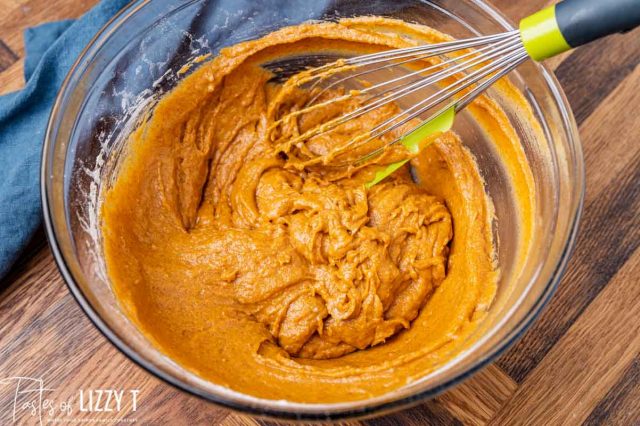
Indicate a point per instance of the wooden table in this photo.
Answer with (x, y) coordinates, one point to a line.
(579, 363)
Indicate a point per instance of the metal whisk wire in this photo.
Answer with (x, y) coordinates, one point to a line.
(458, 72)
(408, 88)
(480, 62)
(425, 52)
(500, 67)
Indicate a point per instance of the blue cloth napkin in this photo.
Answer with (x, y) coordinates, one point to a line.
(51, 49)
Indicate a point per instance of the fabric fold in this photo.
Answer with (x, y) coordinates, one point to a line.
(51, 49)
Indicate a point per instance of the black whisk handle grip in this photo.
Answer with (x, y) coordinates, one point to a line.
(572, 23)
(582, 21)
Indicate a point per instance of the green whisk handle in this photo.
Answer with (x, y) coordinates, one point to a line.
(572, 23)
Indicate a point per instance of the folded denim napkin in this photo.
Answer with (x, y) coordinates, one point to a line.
(51, 49)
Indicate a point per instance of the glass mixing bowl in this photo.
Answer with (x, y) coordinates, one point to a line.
(136, 58)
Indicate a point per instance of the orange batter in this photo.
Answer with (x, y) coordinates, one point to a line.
(298, 283)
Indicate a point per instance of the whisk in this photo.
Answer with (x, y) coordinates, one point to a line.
(464, 69)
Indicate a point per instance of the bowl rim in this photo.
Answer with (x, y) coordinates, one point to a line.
(340, 413)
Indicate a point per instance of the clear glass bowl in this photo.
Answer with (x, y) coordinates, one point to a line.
(135, 59)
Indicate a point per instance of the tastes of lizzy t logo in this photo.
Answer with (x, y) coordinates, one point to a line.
(29, 401)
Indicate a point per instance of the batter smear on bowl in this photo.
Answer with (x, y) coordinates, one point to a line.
(291, 282)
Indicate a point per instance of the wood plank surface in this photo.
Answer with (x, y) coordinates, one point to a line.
(578, 364)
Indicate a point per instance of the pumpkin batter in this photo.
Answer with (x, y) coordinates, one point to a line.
(291, 282)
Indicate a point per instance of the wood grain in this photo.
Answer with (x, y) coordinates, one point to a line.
(7, 57)
(607, 330)
(578, 364)
(620, 404)
(609, 232)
